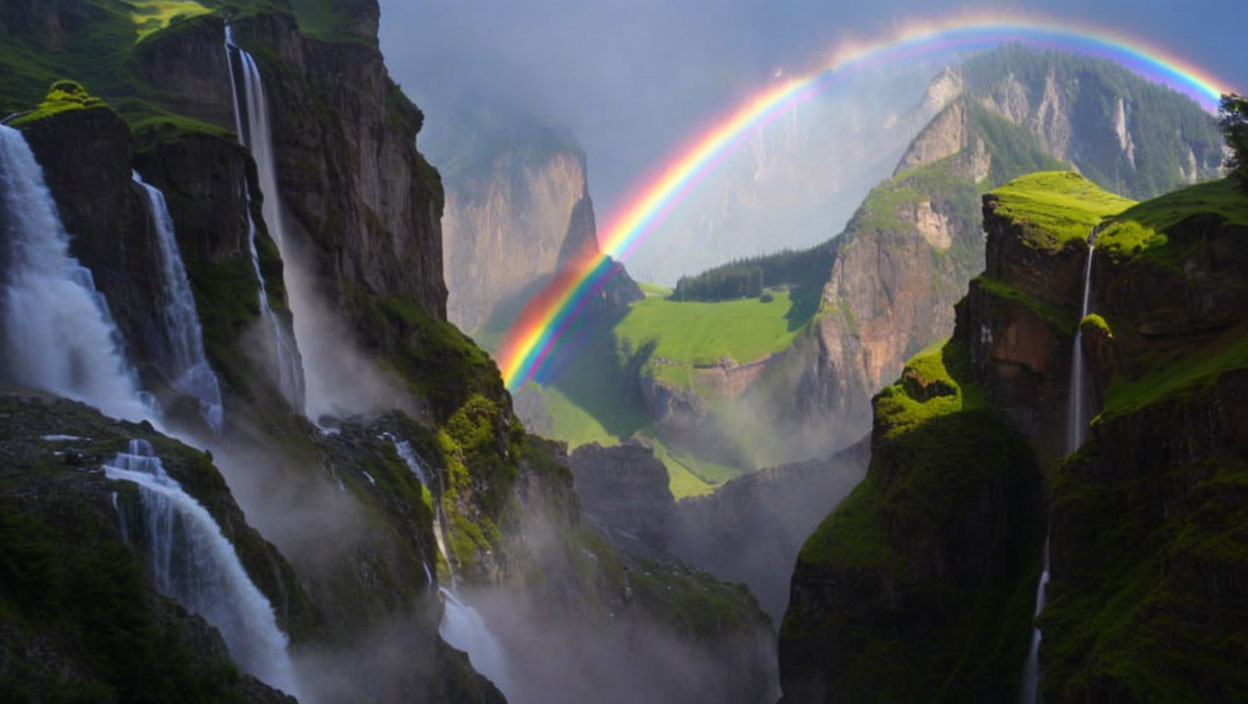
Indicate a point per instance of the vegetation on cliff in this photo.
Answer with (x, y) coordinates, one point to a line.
(1054, 208)
(1235, 128)
(918, 585)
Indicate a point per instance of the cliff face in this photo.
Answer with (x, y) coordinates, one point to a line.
(1134, 514)
(1145, 515)
(515, 224)
(902, 261)
(952, 502)
(81, 615)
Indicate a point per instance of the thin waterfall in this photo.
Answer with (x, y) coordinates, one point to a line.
(194, 563)
(405, 452)
(1076, 433)
(58, 332)
(462, 625)
(182, 358)
(288, 367)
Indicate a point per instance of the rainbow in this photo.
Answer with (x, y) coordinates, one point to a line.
(546, 318)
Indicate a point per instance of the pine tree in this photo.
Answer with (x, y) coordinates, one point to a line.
(1234, 111)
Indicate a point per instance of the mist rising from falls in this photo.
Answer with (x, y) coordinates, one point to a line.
(182, 358)
(1076, 433)
(289, 369)
(464, 629)
(58, 332)
(195, 564)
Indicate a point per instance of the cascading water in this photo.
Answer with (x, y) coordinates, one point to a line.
(182, 358)
(464, 629)
(1076, 433)
(195, 564)
(289, 369)
(404, 449)
(58, 332)
(462, 625)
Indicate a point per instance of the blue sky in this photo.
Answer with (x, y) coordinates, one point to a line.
(632, 79)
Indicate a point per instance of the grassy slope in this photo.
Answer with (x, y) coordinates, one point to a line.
(953, 636)
(594, 395)
(1140, 234)
(698, 334)
(1055, 207)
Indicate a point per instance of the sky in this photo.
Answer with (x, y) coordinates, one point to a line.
(633, 80)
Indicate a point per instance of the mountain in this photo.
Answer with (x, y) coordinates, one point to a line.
(860, 304)
(908, 252)
(216, 225)
(922, 581)
(517, 209)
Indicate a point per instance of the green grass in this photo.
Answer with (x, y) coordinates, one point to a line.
(332, 20)
(1060, 318)
(154, 15)
(654, 289)
(1188, 373)
(698, 333)
(63, 96)
(1098, 322)
(935, 382)
(1141, 230)
(1056, 207)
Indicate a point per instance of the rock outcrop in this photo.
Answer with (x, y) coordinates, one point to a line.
(512, 226)
(81, 614)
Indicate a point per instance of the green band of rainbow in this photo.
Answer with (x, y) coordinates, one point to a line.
(546, 318)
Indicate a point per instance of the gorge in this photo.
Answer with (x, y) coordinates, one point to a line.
(985, 444)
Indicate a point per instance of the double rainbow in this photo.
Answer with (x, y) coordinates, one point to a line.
(547, 317)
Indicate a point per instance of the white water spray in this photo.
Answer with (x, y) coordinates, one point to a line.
(1076, 432)
(195, 564)
(58, 332)
(182, 358)
(288, 367)
(464, 629)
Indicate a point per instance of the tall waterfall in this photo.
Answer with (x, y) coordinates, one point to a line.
(195, 564)
(462, 625)
(288, 366)
(58, 332)
(1076, 433)
(182, 358)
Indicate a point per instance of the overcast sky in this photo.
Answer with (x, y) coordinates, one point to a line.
(633, 79)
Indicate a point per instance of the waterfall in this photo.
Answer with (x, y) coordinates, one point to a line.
(464, 629)
(182, 358)
(404, 449)
(462, 626)
(1076, 432)
(195, 564)
(58, 332)
(289, 369)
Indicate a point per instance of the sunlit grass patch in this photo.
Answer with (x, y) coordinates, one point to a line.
(154, 15)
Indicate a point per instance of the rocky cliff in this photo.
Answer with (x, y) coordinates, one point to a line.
(517, 210)
(1128, 553)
